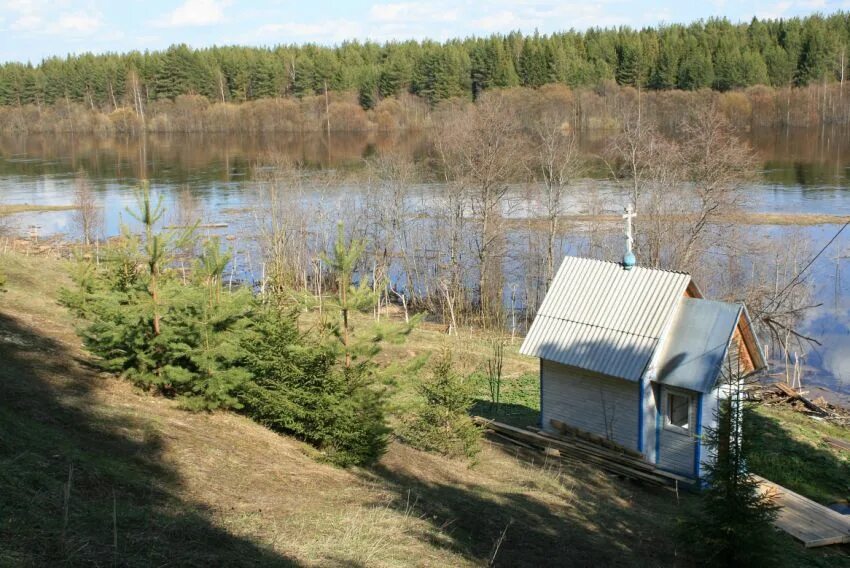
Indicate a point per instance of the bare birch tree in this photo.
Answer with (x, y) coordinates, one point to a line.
(718, 163)
(555, 163)
(482, 150)
(682, 185)
(87, 215)
(281, 221)
(388, 216)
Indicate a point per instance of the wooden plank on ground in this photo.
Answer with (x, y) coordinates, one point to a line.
(583, 452)
(788, 391)
(809, 522)
(591, 448)
(836, 443)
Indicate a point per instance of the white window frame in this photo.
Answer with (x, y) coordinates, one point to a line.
(691, 411)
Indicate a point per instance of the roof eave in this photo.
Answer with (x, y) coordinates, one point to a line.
(752, 342)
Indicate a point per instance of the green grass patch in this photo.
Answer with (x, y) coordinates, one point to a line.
(788, 449)
(519, 400)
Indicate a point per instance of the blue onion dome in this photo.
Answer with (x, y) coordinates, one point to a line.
(629, 261)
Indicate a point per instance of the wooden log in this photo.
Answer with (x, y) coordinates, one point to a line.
(839, 444)
(794, 395)
(581, 452)
(201, 226)
(583, 449)
(648, 477)
(588, 448)
(512, 440)
(528, 454)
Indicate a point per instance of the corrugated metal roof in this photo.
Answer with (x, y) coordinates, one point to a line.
(692, 353)
(599, 317)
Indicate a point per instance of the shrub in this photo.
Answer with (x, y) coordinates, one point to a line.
(213, 348)
(192, 353)
(443, 424)
(182, 339)
(300, 387)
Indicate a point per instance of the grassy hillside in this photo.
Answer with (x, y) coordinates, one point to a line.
(96, 472)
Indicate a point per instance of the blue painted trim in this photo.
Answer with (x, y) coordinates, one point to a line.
(540, 417)
(698, 445)
(640, 417)
(659, 404)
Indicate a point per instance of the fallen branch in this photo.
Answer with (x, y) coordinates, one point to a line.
(794, 395)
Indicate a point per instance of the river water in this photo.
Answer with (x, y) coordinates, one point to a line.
(803, 172)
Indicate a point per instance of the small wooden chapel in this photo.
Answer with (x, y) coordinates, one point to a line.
(636, 355)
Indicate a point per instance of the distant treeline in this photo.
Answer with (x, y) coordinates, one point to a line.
(585, 109)
(707, 54)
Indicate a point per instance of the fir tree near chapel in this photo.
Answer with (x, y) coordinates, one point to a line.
(733, 525)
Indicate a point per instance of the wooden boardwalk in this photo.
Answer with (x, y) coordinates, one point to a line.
(807, 521)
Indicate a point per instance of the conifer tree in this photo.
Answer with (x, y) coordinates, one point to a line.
(442, 424)
(350, 298)
(696, 70)
(394, 75)
(733, 526)
(158, 246)
(298, 386)
(367, 91)
(181, 339)
(206, 336)
(802, 50)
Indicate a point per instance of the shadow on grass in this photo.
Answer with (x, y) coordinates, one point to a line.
(799, 466)
(518, 415)
(525, 525)
(121, 507)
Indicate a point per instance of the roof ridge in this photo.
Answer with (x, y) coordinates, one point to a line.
(620, 264)
(737, 303)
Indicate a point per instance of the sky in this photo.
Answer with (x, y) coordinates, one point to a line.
(33, 29)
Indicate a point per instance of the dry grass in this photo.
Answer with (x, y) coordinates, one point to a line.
(218, 489)
(27, 208)
(749, 218)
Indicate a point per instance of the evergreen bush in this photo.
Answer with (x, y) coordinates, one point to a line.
(443, 424)
(189, 338)
(298, 386)
(142, 322)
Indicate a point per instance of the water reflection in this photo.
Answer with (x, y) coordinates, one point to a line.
(805, 172)
(184, 158)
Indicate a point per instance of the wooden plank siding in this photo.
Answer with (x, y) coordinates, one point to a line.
(598, 404)
(738, 354)
(710, 405)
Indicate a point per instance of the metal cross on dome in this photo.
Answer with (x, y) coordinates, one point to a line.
(629, 260)
(628, 216)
